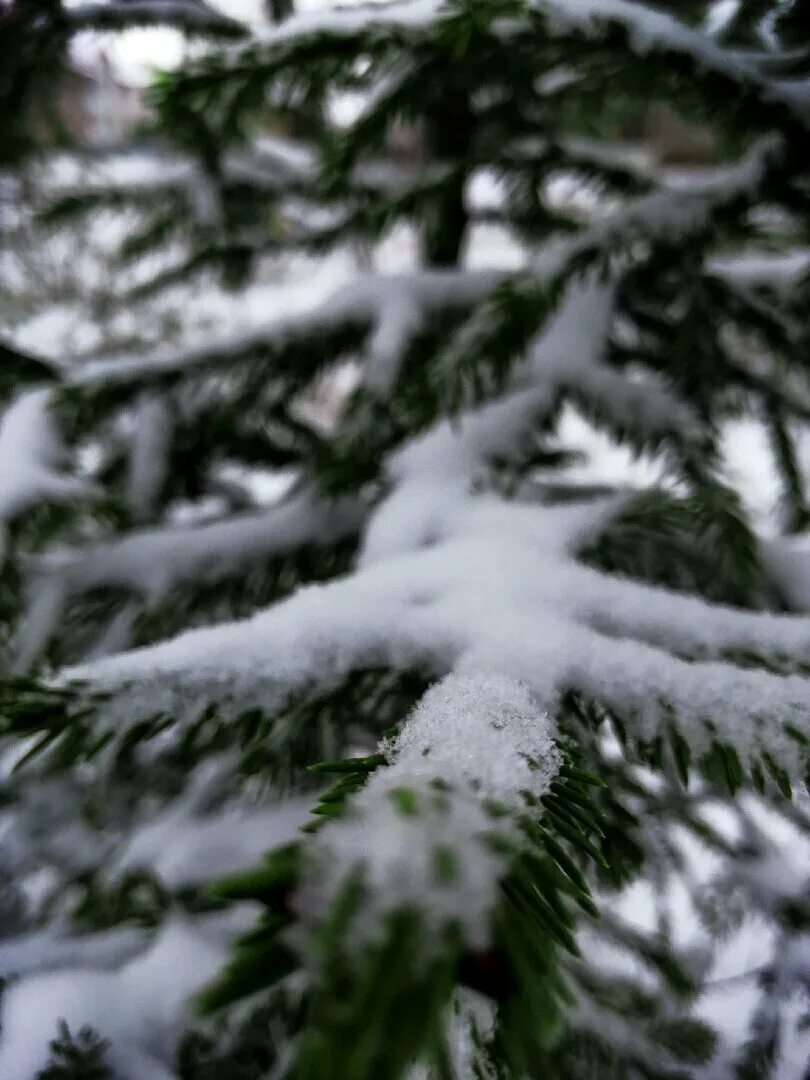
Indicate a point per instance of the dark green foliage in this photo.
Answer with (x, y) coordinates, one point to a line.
(32, 45)
(656, 539)
(760, 1055)
(407, 1003)
(18, 369)
(375, 1013)
(77, 1057)
(793, 22)
(136, 898)
(243, 1049)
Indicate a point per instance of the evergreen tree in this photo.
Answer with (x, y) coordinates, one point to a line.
(555, 740)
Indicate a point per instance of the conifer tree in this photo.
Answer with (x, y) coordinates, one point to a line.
(436, 764)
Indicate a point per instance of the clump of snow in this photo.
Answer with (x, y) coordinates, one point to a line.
(400, 860)
(778, 271)
(148, 460)
(50, 951)
(32, 456)
(420, 846)
(479, 731)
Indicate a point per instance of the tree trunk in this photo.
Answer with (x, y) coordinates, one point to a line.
(449, 139)
(279, 10)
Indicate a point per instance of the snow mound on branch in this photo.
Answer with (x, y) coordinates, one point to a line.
(483, 731)
(31, 453)
(417, 828)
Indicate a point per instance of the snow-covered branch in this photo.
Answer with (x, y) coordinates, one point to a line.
(193, 16)
(480, 585)
(355, 308)
(650, 31)
(363, 305)
(150, 561)
(32, 457)
(482, 737)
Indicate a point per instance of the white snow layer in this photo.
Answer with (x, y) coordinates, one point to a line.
(368, 301)
(148, 458)
(483, 736)
(32, 456)
(457, 579)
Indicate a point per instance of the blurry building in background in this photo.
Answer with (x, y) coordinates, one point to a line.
(93, 106)
(670, 139)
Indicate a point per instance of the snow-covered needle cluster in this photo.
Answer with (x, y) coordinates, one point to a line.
(418, 829)
(305, 503)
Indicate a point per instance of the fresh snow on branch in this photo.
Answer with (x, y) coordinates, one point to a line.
(180, 959)
(537, 660)
(455, 581)
(363, 303)
(388, 304)
(32, 456)
(148, 457)
(191, 15)
(480, 737)
(649, 29)
(151, 561)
